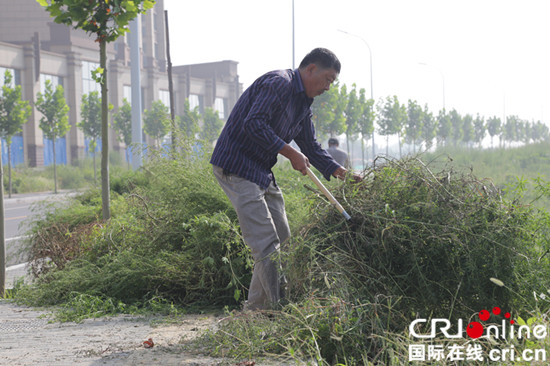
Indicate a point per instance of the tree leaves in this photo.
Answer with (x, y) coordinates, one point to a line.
(107, 19)
(55, 121)
(14, 112)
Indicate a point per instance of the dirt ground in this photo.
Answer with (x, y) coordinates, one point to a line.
(30, 338)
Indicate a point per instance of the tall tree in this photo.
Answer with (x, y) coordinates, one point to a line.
(522, 127)
(90, 122)
(156, 121)
(338, 124)
(509, 132)
(401, 118)
(353, 113)
(212, 125)
(480, 129)
(413, 125)
(429, 127)
(526, 133)
(122, 123)
(444, 127)
(188, 123)
(366, 120)
(323, 112)
(55, 120)
(457, 131)
(493, 127)
(468, 133)
(107, 20)
(539, 132)
(328, 112)
(14, 112)
(391, 119)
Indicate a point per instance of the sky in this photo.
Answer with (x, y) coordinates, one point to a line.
(484, 57)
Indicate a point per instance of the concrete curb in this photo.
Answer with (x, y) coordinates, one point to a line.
(41, 196)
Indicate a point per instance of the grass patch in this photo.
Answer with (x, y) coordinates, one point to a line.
(526, 165)
(173, 235)
(421, 243)
(425, 239)
(77, 176)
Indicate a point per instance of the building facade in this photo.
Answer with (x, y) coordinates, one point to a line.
(35, 49)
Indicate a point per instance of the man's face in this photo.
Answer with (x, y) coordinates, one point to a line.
(318, 80)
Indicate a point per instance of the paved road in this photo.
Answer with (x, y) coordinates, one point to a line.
(15, 213)
(18, 212)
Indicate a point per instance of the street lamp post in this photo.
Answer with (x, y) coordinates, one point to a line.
(371, 92)
(442, 79)
(293, 36)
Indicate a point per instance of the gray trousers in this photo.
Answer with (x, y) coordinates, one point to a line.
(264, 226)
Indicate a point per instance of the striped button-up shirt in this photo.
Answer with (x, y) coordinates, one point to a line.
(272, 112)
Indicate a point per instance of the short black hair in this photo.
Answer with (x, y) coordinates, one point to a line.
(333, 141)
(323, 58)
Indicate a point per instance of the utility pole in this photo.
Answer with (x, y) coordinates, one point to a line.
(293, 44)
(170, 83)
(371, 89)
(135, 73)
(2, 236)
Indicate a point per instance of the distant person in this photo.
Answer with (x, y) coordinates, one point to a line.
(338, 154)
(272, 112)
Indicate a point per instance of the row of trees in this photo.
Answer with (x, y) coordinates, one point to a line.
(14, 112)
(338, 111)
(106, 20)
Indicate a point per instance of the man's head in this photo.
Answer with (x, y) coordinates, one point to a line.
(333, 142)
(318, 70)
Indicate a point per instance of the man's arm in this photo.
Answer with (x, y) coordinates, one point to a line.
(298, 160)
(266, 106)
(340, 173)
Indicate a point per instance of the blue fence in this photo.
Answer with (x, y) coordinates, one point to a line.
(60, 151)
(89, 153)
(17, 153)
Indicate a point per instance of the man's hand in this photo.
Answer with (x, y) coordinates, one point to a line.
(341, 174)
(298, 160)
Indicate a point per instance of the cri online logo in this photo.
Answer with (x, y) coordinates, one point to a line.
(475, 329)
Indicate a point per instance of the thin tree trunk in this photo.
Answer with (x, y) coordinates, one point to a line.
(94, 161)
(350, 155)
(363, 150)
(105, 190)
(54, 168)
(9, 171)
(399, 143)
(348, 144)
(170, 84)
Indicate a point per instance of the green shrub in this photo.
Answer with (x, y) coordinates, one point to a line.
(124, 181)
(430, 240)
(35, 184)
(420, 243)
(172, 235)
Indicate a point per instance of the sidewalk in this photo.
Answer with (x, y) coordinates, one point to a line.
(29, 337)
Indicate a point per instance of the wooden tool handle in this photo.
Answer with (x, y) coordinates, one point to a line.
(327, 194)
